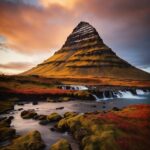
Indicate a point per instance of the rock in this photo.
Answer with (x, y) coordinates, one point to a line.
(81, 133)
(6, 133)
(60, 108)
(40, 117)
(20, 109)
(21, 103)
(116, 109)
(61, 144)
(53, 129)
(62, 125)
(30, 141)
(28, 114)
(44, 122)
(54, 117)
(34, 103)
(70, 114)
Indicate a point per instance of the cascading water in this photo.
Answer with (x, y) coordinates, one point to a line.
(141, 92)
(122, 94)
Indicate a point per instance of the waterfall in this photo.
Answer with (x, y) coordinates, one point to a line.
(128, 95)
(141, 92)
(96, 98)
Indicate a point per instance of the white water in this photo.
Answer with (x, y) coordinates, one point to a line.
(75, 87)
(141, 92)
(123, 94)
(128, 95)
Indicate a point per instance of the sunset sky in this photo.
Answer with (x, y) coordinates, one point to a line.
(32, 30)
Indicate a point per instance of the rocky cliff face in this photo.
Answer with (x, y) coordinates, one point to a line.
(84, 54)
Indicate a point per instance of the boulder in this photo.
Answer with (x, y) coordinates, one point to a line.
(30, 141)
(54, 117)
(6, 133)
(61, 144)
(28, 114)
(70, 114)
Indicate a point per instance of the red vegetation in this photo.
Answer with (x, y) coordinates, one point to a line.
(133, 122)
(39, 91)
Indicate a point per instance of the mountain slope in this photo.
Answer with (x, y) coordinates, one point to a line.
(84, 55)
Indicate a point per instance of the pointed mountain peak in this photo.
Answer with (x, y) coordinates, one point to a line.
(83, 34)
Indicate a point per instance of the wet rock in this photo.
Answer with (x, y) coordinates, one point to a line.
(44, 122)
(59, 108)
(34, 103)
(70, 114)
(6, 133)
(53, 129)
(54, 117)
(62, 125)
(20, 103)
(61, 144)
(40, 117)
(20, 109)
(30, 141)
(103, 106)
(116, 109)
(28, 114)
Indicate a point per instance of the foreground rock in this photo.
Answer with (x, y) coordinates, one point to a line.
(62, 144)
(6, 132)
(116, 130)
(30, 141)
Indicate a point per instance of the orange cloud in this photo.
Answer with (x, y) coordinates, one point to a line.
(65, 3)
(15, 66)
(29, 29)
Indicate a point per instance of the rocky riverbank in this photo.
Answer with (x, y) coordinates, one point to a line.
(114, 129)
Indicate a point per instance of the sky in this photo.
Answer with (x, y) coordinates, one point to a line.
(32, 30)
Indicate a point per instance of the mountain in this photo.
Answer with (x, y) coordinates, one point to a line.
(85, 55)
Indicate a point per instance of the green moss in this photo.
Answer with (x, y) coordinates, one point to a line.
(62, 125)
(70, 114)
(30, 141)
(54, 117)
(62, 144)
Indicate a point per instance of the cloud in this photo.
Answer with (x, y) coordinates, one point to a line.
(37, 26)
(16, 66)
(29, 29)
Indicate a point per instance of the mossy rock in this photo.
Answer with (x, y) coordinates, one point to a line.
(65, 99)
(28, 114)
(62, 125)
(30, 141)
(62, 144)
(54, 117)
(6, 133)
(70, 114)
(91, 143)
